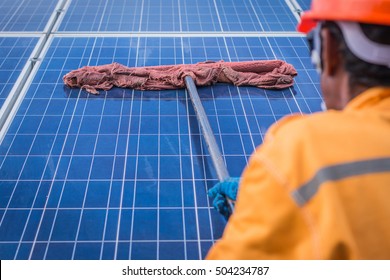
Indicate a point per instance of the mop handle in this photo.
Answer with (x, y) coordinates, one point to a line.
(208, 134)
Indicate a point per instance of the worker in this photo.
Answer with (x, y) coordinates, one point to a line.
(319, 185)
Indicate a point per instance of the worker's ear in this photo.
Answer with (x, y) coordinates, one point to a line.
(331, 58)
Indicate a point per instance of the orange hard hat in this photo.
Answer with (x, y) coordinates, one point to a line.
(364, 11)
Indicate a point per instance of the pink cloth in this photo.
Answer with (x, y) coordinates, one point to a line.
(268, 74)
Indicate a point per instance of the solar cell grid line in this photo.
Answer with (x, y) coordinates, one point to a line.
(179, 14)
(141, 15)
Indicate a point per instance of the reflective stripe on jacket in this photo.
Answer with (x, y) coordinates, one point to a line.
(317, 188)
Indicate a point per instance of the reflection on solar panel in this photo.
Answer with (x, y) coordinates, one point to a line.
(123, 175)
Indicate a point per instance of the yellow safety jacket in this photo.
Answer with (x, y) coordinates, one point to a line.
(317, 188)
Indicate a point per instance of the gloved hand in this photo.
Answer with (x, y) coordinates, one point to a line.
(219, 192)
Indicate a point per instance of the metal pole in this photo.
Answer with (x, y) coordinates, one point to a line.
(208, 134)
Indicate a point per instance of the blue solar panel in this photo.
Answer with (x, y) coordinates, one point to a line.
(183, 16)
(305, 4)
(14, 53)
(124, 174)
(28, 15)
(250, 15)
(118, 159)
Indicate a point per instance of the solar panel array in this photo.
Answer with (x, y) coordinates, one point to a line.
(124, 174)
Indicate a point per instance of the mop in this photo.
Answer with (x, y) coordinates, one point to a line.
(267, 74)
(270, 74)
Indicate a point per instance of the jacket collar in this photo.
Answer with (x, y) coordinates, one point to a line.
(370, 98)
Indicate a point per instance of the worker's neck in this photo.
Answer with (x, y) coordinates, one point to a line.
(356, 89)
(348, 91)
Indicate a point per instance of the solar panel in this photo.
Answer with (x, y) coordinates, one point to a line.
(180, 16)
(305, 4)
(124, 174)
(14, 53)
(27, 15)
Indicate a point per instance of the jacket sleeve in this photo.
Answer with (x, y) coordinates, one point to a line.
(266, 224)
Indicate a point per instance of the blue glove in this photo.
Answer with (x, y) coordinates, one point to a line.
(227, 188)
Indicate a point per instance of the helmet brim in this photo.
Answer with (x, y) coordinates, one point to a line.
(307, 22)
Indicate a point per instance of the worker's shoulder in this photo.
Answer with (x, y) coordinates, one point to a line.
(303, 125)
(298, 137)
(294, 141)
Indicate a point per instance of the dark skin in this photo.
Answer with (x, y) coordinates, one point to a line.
(335, 86)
